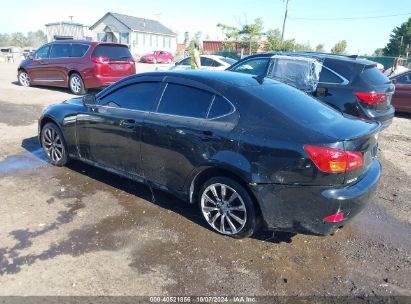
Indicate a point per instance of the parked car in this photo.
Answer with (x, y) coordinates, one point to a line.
(208, 62)
(246, 152)
(402, 96)
(157, 57)
(352, 85)
(78, 65)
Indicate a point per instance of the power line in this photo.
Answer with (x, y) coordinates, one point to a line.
(349, 18)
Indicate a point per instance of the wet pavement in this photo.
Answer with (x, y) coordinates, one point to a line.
(78, 230)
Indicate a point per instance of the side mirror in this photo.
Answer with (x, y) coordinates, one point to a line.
(89, 100)
(321, 92)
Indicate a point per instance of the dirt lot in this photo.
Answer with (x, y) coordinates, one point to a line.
(81, 231)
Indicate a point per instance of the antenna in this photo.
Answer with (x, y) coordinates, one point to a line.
(71, 18)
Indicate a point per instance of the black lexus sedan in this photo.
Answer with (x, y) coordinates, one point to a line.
(250, 152)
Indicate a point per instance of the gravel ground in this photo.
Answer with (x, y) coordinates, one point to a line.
(81, 231)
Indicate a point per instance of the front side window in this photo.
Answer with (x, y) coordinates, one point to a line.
(137, 96)
(78, 50)
(186, 61)
(256, 66)
(43, 52)
(185, 101)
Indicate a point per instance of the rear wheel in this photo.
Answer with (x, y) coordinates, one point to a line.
(76, 84)
(52, 141)
(24, 78)
(228, 208)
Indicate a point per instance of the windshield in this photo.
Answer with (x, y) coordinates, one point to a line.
(228, 60)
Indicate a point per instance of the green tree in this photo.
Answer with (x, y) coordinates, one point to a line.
(399, 34)
(340, 47)
(320, 48)
(303, 47)
(378, 52)
(4, 39)
(274, 42)
(232, 35)
(251, 34)
(36, 39)
(18, 39)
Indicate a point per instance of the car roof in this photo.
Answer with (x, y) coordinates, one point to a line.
(87, 42)
(319, 56)
(212, 77)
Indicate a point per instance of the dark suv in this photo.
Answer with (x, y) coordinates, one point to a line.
(79, 65)
(352, 85)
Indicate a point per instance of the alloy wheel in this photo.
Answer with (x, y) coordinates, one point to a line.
(53, 144)
(75, 84)
(223, 208)
(24, 79)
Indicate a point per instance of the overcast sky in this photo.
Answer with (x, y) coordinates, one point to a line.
(365, 26)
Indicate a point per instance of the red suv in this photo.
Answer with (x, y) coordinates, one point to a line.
(79, 65)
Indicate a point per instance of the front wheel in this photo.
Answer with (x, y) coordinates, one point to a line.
(77, 85)
(52, 141)
(228, 208)
(24, 78)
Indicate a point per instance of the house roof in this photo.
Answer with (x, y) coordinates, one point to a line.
(139, 24)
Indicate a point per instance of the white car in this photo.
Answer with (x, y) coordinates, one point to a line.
(208, 62)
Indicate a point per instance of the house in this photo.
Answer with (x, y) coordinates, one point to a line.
(67, 30)
(140, 34)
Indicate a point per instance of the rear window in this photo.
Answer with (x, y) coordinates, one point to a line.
(296, 105)
(372, 75)
(113, 52)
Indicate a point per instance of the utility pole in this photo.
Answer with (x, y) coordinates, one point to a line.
(402, 39)
(71, 19)
(285, 19)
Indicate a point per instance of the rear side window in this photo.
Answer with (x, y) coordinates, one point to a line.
(404, 79)
(296, 105)
(186, 61)
(220, 107)
(60, 50)
(373, 76)
(78, 50)
(137, 96)
(326, 76)
(185, 101)
(256, 66)
(113, 52)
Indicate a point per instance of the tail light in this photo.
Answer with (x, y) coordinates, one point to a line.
(100, 59)
(371, 97)
(334, 160)
(131, 61)
(338, 217)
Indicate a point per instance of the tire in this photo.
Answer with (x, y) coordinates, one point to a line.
(24, 78)
(76, 84)
(54, 145)
(233, 214)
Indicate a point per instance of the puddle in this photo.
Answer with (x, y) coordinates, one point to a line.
(34, 159)
(19, 114)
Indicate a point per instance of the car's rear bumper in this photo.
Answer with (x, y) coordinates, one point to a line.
(97, 81)
(303, 208)
(385, 117)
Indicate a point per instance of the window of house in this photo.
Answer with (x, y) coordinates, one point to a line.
(151, 40)
(185, 101)
(100, 36)
(156, 40)
(144, 39)
(137, 96)
(164, 42)
(169, 42)
(125, 38)
(135, 42)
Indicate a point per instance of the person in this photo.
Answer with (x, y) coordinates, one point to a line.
(395, 69)
(196, 57)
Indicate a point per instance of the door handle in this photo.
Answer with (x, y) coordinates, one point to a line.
(127, 123)
(207, 133)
